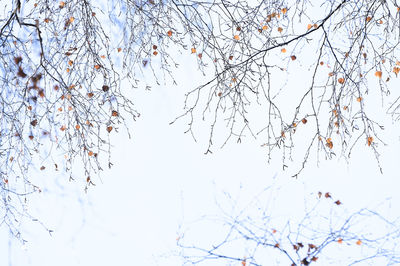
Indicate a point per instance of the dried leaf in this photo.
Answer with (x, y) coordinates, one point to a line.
(370, 140)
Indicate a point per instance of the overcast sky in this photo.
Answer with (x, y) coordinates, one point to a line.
(162, 182)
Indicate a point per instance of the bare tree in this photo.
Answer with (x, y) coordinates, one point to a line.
(324, 231)
(347, 50)
(63, 65)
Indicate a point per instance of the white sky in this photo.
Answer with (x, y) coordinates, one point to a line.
(161, 179)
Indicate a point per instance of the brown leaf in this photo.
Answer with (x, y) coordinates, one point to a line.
(34, 122)
(21, 72)
(105, 88)
(17, 60)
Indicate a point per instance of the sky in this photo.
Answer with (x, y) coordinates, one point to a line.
(162, 184)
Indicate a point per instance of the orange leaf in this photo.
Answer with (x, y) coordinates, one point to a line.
(378, 74)
(90, 94)
(304, 120)
(284, 10)
(265, 27)
(283, 50)
(309, 26)
(340, 241)
(155, 53)
(280, 29)
(370, 140)
(71, 19)
(96, 66)
(341, 80)
(368, 19)
(109, 128)
(114, 113)
(236, 37)
(77, 127)
(193, 50)
(119, 49)
(359, 242)
(70, 62)
(90, 153)
(62, 4)
(359, 99)
(169, 33)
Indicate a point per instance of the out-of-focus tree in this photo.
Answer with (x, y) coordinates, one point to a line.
(63, 64)
(321, 232)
